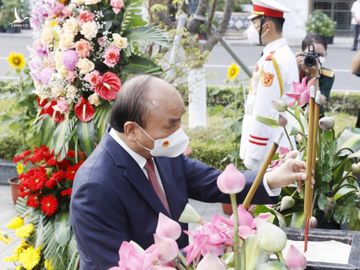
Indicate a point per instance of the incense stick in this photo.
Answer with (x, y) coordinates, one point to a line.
(262, 171)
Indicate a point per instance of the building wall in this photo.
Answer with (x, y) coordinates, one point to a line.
(294, 28)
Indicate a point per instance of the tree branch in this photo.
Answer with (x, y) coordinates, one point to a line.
(211, 17)
(219, 33)
(199, 18)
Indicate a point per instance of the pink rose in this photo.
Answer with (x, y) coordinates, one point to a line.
(92, 77)
(86, 16)
(83, 48)
(112, 56)
(117, 5)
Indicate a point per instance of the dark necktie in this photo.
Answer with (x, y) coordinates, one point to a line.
(149, 167)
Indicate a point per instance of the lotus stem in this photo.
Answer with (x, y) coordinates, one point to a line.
(288, 137)
(236, 231)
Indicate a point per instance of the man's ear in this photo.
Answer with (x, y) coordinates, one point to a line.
(130, 131)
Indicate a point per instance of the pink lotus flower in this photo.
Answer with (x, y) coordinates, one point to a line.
(130, 257)
(117, 5)
(112, 56)
(166, 248)
(247, 224)
(210, 262)
(211, 237)
(295, 260)
(83, 48)
(84, 110)
(231, 180)
(167, 227)
(92, 77)
(108, 85)
(86, 16)
(301, 92)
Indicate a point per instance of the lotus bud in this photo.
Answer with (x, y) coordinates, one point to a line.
(271, 238)
(167, 227)
(299, 138)
(313, 222)
(272, 266)
(355, 168)
(280, 105)
(282, 121)
(286, 203)
(167, 248)
(210, 262)
(326, 123)
(189, 215)
(295, 260)
(231, 181)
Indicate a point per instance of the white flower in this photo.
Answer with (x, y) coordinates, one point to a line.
(71, 92)
(66, 41)
(46, 36)
(89, 30)
(78, 2)
(119, 41)
(57, 90)
(85, 65)
(92, 2)
(94, 99)
(71, 26)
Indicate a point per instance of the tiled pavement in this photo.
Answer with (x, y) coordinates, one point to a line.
(7, 211)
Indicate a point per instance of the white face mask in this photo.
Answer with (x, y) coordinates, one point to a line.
(252, 34)
(172, 146)
(322, 59)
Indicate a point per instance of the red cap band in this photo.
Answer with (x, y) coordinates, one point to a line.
(268, 11)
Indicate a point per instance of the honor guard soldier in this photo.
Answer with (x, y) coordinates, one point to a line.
(272, 78)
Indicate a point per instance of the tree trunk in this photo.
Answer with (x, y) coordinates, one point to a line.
(197, 98)
(199, 18)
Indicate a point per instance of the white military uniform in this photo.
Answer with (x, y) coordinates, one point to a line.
(274, 75)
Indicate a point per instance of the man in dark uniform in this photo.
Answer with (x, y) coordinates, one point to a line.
(327, 76)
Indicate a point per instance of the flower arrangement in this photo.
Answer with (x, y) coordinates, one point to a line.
(320, 23)
(46, 183)
(84, 50)
(336, 198)
(239, 242)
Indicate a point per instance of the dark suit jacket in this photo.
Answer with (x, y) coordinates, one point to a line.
(113, 201)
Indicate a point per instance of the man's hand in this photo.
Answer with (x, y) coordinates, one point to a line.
(311, 72)
(290, 171)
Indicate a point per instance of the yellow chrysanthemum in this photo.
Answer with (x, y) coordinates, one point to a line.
(48, 265)
(24, 231)
(16, 60)
(233, 72)
(30, 257)
(19, 249)
(15, 223)
(18, 267)
(19, 168)
(4, 238)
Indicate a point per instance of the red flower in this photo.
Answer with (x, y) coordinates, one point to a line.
(70, 154)
(37, 178)
(49, 205)
(71, 171)
(108, 85)
(40, 154)
(84, 110)
(22, 156)
(33, 201)
(66, 192)
(41, 102)
(49, 110)
(51, 162)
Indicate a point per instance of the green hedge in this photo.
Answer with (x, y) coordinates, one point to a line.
(221, 95)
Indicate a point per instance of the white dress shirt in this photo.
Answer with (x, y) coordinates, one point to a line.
(140, 160)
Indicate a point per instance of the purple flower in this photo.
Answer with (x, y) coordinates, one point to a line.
(70, 59)
(45, 75)
(40, 49)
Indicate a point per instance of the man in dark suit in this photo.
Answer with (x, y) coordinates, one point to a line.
(138, 171)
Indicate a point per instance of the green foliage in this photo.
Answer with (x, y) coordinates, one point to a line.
(320, 23)
(9, 146)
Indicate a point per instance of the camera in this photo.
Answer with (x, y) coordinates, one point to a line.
(310, 57)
